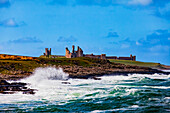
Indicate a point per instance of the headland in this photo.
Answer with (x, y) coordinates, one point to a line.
(17, 67)
(76, 64)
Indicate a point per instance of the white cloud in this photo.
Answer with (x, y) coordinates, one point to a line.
(169, 38)
(26, 40)
(11, 23)
(125, 46)
(140, 2)
(137, 43)
(159, 48)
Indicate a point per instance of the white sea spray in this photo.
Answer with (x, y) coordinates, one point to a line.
(48, 82)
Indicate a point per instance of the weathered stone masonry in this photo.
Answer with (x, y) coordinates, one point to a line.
(74, 54)
(47, 52)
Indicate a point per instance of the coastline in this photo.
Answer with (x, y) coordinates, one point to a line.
(94, 71)
(14, 69)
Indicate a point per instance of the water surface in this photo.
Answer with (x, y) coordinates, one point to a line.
(132, 93)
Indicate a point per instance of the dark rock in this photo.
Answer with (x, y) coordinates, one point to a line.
(66, 83)
(10, 88)
(28, 91)
(95, 78)
(4, 82)
(108, 69)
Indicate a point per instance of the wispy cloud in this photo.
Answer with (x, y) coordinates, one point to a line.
(163, 12)
(11, 23)
(158, 37)
(4, 3)
(160, 7)
(112, 34)
(69, 39)
(26, 40)
(140, 2)
(159, 40)
(105, 3)
(58, 2)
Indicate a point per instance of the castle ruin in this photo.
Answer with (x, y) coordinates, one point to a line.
(74, 54)
(79, 53)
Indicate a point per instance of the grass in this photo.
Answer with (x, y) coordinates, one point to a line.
(138, 63)
(9, 66)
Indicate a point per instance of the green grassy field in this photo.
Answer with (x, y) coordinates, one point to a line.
(138, 63)
(10, 66)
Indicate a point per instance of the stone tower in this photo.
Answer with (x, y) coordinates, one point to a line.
(79, 52)
(74, 54)
(133, 57)
(47, 52)
(73, 47)
(68, 54)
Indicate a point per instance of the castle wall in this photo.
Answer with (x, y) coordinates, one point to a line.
(103, 56)
(124, 58)
(111, 57)
(128, 58)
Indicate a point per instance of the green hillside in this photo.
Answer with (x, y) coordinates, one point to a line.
(19, 66)
(138, 63)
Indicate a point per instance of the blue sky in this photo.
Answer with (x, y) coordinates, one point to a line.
(113, 27)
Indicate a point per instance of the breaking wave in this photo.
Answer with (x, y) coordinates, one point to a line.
(47, 73)
(141, 92)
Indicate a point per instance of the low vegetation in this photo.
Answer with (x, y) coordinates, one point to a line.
(138, 63)
(20, 66)
(23, 66)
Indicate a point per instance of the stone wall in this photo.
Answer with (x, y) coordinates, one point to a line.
(102, 56)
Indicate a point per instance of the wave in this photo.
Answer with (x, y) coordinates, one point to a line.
(47, 73)
(116, 93)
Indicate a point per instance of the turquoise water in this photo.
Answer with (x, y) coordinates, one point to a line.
(132, 93)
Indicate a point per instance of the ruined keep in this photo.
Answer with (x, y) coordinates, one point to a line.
(74, 54)
(79, 53)
(47, 52)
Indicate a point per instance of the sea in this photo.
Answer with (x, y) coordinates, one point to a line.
(56, 92)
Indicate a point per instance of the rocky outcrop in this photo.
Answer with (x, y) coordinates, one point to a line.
(107, 69)
(10, 88)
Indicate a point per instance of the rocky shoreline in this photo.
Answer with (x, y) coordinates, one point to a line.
(93, 71)
(108, 69)
(11, 88)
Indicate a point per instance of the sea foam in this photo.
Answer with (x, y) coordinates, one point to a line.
(48, 82)
(47, 73)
